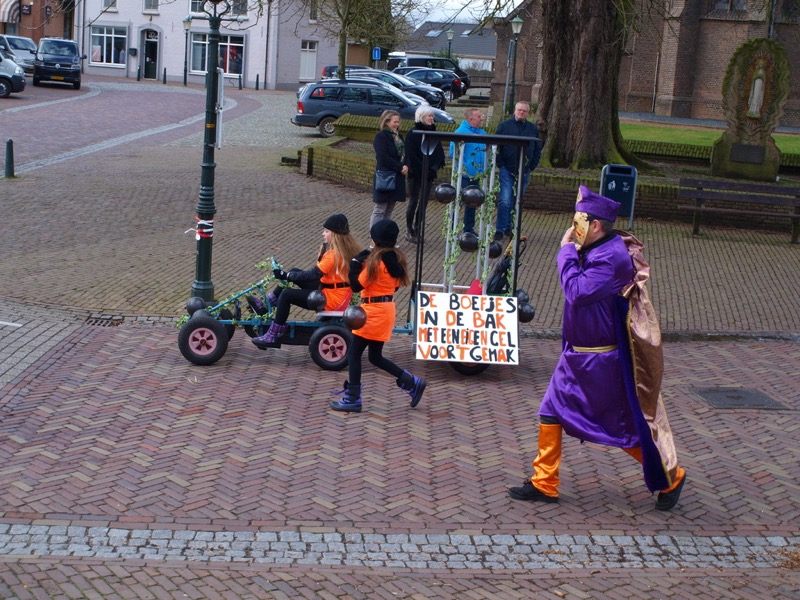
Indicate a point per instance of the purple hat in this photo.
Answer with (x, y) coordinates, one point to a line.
(596, 205)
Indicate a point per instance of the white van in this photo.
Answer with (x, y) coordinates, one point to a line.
(12, 77)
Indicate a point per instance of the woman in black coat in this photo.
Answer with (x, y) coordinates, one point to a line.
(389, 154)
(416, 178)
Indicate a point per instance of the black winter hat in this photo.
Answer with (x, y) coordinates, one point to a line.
(384, 233)
(337, 224)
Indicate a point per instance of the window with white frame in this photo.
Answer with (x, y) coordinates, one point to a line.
(150, 5)
(109, 45)
(196, 6)
(239, 7)
(312, 11)
(231, 53)
(110, 5)
(308, 60)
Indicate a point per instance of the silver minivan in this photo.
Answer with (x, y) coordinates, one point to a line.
(22, 50)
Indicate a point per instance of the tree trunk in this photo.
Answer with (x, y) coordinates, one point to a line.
(578, 111)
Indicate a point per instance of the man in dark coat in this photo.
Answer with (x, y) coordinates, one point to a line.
(508, 164)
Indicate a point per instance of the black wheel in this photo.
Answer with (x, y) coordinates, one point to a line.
(227, 315)
(328, 347)
(76, 85)
(35, 80)
(203, 340)
(326, 127)
(468, 368)
(5, 88)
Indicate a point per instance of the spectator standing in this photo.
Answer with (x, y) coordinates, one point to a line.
(417, 180)
(508, 164)
(474, 159)
(389, 156)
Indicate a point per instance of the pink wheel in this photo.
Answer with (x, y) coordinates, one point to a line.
(328, 347)
(203, 340)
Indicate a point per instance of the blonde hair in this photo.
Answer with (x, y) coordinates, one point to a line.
(376, 258)
(386, 116)
(344, 247)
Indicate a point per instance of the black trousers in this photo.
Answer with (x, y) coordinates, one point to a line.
(375, 357)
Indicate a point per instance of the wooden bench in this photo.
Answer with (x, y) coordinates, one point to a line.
(749, 195)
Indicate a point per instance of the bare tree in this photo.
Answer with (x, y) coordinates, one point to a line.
(370, 22)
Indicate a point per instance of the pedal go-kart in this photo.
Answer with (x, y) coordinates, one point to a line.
(204, 334)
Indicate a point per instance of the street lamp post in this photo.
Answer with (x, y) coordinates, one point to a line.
(516, 28)
(450, 34)
(202, 286)
(187, 25)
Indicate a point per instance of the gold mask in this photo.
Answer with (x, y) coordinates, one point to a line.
(581, 224)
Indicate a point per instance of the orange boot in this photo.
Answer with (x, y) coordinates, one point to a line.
(543, 485)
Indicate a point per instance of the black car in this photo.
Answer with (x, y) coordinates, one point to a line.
(320, 104)
(57, 59)
(445, 80)
(401, 61)
(431, 95)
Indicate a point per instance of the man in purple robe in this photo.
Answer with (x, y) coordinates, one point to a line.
(606, 386)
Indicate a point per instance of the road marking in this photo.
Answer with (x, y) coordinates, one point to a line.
(7, 324)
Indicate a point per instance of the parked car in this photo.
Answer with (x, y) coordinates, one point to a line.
(321, 103)
(431, 95)
(12, 77)
(333, 70)
(447, 81)
(57, 59)
(429, 62)
(22, 50)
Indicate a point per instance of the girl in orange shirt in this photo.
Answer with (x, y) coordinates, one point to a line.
(331, 273)
(377, 274)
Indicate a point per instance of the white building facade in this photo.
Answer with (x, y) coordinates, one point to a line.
(154, 39)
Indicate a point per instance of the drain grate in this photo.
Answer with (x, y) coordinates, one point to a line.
(105, 320)
(731, 397)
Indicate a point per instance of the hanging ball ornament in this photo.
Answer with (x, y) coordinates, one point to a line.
(354, 317)
(445, 193)
(194, 304)
(495, 249)
(472, 196)
(468, 241)
(526, 312)
(522, 296)
(316, 300)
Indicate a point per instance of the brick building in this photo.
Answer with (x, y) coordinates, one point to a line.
(674, 64)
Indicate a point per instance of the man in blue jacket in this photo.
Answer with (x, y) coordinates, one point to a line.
(508, 163)
(474, 159)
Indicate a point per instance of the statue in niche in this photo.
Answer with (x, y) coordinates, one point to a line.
(757, 90)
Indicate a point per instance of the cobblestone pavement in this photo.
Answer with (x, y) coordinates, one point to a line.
(129, 473)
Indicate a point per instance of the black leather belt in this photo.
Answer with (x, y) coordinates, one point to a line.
(375, 299)
(328, 286)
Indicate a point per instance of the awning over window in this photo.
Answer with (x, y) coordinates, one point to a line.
(9, 11)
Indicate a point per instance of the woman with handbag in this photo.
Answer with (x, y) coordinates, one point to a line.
(390, 172)
(417, 180)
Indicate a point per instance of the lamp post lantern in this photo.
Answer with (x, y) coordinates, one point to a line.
(450, 34)
(187, 25)
(516, 29)
(202, 286)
